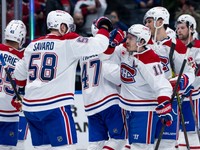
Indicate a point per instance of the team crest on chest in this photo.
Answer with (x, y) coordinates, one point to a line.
(127, 73)
(165, 62)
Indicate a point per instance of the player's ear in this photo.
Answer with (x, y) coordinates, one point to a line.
(142, 42)
(160, 21)
(63, 28)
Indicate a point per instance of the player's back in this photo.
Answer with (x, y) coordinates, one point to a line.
(98, 93)
(51, 73)
(49, 66)
(11, 57)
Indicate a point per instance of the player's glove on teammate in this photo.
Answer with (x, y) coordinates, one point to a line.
(163, 110)
(104, 21)
(17, 103)
(182, 84)
(117, 36)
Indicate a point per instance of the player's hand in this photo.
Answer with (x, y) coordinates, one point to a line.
(16, 103)
(164, 110)
(117, 36)
(182, 84)
(104, 22)
(173, 83)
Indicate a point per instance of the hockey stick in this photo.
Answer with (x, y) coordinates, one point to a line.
(177, 95)
(180, 107)
(192, 108)
(172, 99)
(10, 78)
(183, 121)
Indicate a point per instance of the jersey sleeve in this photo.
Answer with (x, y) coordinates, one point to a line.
(111, 72)
(84, 46)
(155, 77)
(111, 65)
(20, 72)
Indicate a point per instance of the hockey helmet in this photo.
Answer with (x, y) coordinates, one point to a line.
(16, 31)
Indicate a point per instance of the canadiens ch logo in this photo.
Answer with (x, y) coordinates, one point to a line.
(165, 62)
(127, 73)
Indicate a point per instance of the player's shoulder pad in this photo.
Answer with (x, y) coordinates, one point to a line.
(124, 45)
(3, 47)
(180, 46)
(71, 35)
(6, 48)
(148, 56)
(196, 44)
(150, 41)
(40, 38)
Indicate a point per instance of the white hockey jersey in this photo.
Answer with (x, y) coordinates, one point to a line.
(162, 48)
(98, 93)
(49, 66)
(194, 60)
(142, 80)
(11, 56)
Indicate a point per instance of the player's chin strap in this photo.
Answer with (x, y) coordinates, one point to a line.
(156, 29)
(175, 93)
(10, 78)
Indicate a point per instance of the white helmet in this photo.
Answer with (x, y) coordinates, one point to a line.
(141, 32)
(156, 13)
(57, 17)
(94, 29)
(187, 19)
(16, 31)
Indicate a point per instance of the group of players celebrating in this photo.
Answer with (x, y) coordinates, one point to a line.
(140, 87)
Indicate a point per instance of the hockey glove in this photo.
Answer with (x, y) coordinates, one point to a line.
(15, 102)
(163, 110)
(117, 36)
(104, 21)
(182, 84)
(188, 91)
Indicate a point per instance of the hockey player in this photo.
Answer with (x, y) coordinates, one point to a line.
(106, 120)
(15, 35)
(186, 28)
(157, 20)
(48, 70)
(145, 92)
